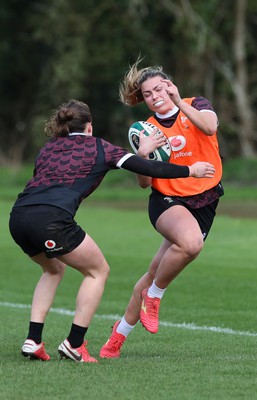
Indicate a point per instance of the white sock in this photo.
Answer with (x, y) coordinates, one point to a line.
(124, 328)
(154, 291)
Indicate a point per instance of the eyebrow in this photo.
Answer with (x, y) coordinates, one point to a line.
(147, 91)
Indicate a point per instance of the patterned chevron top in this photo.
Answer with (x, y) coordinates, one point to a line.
(69, 169)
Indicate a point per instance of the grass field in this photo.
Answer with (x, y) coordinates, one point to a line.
(206, 344)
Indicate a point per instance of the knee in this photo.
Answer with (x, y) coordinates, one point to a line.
(106, 271)
(193, 248)
(57, 269)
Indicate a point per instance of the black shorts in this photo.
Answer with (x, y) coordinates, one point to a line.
(43, 228)
(158, 203)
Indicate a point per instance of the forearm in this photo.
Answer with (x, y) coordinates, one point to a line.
(142, 180)
(206, 121)
(155, 169)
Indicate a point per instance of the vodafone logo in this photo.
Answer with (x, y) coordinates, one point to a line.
(177, 142)
(50, 244)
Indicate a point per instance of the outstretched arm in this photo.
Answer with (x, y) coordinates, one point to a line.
(158, 169)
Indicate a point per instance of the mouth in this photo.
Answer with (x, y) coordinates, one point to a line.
(159, 103)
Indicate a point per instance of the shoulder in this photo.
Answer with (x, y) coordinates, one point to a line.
(201, 103)
(109, 146)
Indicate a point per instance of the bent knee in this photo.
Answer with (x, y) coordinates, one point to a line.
(58, 268)
(103, 271)
(193, 248)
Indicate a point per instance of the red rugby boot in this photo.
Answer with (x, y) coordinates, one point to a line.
(149, 313)
(112, 348)
(80, 354)
(34, 351)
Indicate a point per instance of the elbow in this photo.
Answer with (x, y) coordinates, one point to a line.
(143, 185)
(210, 130)
(144, 181)
(211, 126)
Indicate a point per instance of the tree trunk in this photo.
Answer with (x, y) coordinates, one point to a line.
(240, 86)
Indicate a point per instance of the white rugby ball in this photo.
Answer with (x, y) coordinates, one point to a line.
(161, 154)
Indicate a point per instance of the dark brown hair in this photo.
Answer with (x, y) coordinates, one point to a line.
(69, 117)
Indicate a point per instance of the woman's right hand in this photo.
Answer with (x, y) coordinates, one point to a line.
(201, 169)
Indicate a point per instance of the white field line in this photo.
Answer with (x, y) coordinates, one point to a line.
(114, 317)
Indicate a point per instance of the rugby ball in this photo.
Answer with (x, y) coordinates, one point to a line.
(161, 154)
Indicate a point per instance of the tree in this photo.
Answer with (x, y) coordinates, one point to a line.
(213, 37)
(61, 50)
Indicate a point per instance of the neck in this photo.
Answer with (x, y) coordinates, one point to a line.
(168, 114)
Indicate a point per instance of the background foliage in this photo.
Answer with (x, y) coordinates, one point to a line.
(51, 51)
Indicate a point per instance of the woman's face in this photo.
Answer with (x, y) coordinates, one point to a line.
(155, 95)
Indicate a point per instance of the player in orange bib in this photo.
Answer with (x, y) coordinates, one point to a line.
(182, 211)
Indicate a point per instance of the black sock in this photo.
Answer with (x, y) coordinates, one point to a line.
(76, 336)
(35, 331)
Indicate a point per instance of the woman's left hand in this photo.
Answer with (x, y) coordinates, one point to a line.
(147, 144)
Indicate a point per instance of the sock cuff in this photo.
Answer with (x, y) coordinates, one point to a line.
(155, 291)
(124, 328)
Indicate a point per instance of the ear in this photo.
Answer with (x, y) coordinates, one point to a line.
(89, 128)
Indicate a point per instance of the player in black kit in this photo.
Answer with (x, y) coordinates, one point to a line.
(68, 169)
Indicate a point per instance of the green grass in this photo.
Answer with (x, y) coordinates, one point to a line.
(185, 360)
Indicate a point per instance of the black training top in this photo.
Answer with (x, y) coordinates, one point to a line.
(68, 169)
